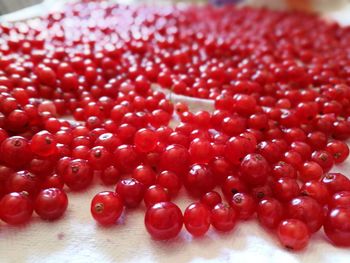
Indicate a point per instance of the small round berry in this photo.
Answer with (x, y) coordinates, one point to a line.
(43, 144)
(223, 217)
(131, 191)
(51, 203)
(197, 219)
(77, 175)
(16, 208)
(337, 227)
(163, 220)
(145, 140)
(270, 212)
(155, 194)
(244, 204)
(254, 169)
(106, 207)
(293, 234)
(211, 199)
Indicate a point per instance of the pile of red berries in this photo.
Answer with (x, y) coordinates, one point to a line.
(281, 86)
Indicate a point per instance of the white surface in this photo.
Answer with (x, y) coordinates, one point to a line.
(77, 238)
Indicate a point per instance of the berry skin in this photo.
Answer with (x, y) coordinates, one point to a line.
(306, 209)
(23, 181)
(197, 219)
(170, 181)
(337, 227)
(223, 217)
(310, 171)
(15, 151)
(163, 220)
(16, 208)
(317, 190)
(145, 175)
(339, 150)
(201, 151)
(43, 144)
(51, 203)
(211, 199)
(145, 140)
(340, 199)
(175, 154)
(199, 180)
(270, 212)
(155, 194)
(131, 191)
(77, 175)
(99, 158)
(106, 207)
(126, 158)
(244, 204)
(284, 189)
(254, 169)
(110, 175)
(293, 234)
(336, 182)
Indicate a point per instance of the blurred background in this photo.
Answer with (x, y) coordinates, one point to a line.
(28, 8)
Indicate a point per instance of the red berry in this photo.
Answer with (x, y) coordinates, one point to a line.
(51, 203)
(43, 144)
(163, 220)
(131, 191)
(337, 227)
(77, 175)
(199, 180)
(254, 169)
(197, 219)
(244, 204)
(223, 217)
(293, 234)
(16, 208)
(270, 212)
(106, 207)
(211, 199)
(145, 140)
(306, 209)
(155, 194)
(15, 151)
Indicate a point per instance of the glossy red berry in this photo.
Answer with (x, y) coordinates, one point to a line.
(197, 219)
(254, 169)
(170, 181)
(337, 227)
(175, 154)
(77, 175)
(43, 144)
(15, 151)
(163, 220)
(145, 140)
(270, 212)
(155, 194)
(308, 210)
(244, 204)
(131, 191)
(199, 180)
(106, 207)
(339, 199)
(211, 199)
(16, 208)
(223, 217)
(293, 234)
(51, 203)
(339, 150)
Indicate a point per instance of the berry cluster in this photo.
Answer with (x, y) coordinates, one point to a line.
(280, 85)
